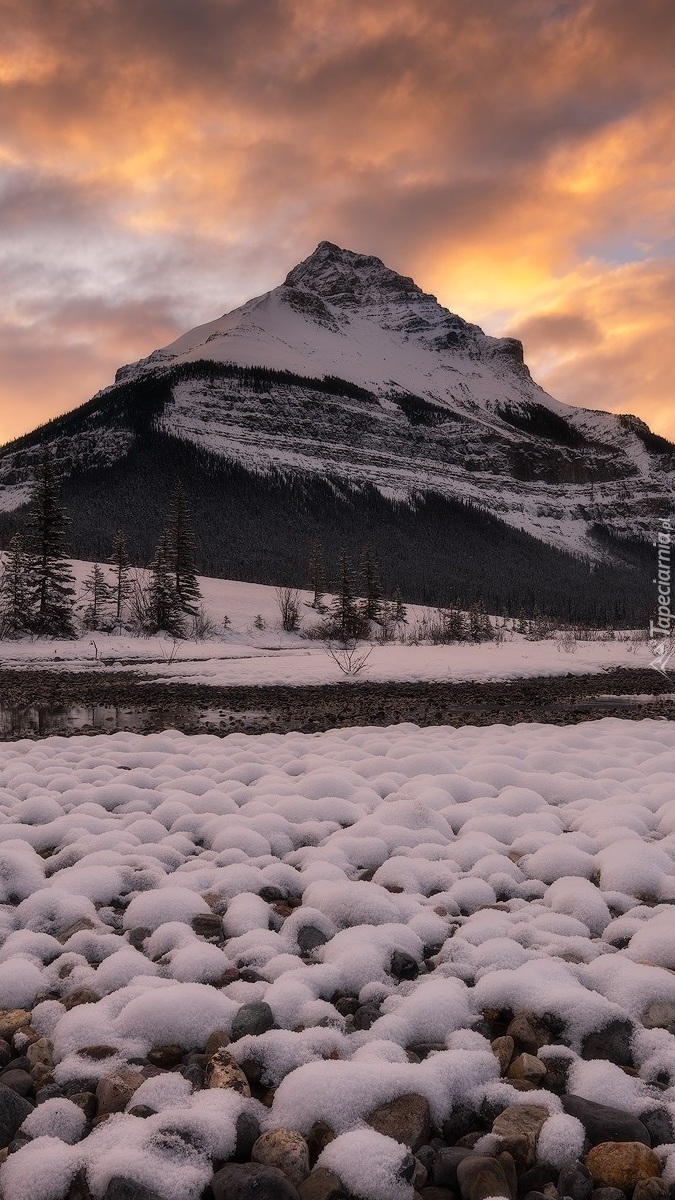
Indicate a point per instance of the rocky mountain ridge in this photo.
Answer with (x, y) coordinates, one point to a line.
(348, 373)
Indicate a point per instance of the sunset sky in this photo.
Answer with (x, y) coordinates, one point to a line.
(161, 161)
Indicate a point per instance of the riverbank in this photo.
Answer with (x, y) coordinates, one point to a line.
(42, 702)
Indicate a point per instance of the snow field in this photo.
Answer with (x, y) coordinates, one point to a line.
(432, 874)
(246, 655)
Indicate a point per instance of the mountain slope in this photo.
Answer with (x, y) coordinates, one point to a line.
(348, 372)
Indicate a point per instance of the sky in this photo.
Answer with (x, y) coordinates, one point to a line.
(161, 161)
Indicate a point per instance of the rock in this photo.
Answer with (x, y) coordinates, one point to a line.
(195, 1075)
(403, 966)
(252, 1181)
(406, 1119)
(612, 1043)
(444, 1171)
(87, 1102)
(114, 1092)
(138, 936)
(285, 1149)
(480, 1177)
(18, 1081)
(248, 1132)
(508, 1166)
(437, 1193)
(310, 938)
(536, 1178)
(218, 1040)
(253, 1070)
(607, 1194)
(503, 1048)
(81, 995)
(660, 1015)
(322, 1184)
(518, 1127)
(462, 1120)
(13, 1112)
(50, 1091)
(527, 1067)
(165, 1056)
(41, 1053)
(79, 926)
(468, 1140)
(529, 1032)
(366, 1015)
(421, 1176)
(5, 1054)
(651, 1189)
(254, 1019)
(120, 1188)
(208, 925)
(320, 1135)
(575, 1181)
(99, 1052)
(557, 1073)
(12, 1019)
(142, 1110)
(79, 1188)
(605, 1124)
(347, 1006)
(659, 1126)
(71, 1086)
(622, 1164)
(223, 1071)
(19, 1063)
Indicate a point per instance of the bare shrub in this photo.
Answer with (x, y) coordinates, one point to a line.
(350, 656)
(138, 603)
(567, 641)
(288, 603)
(201, 626)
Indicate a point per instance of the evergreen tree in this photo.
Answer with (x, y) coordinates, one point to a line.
(122, 586)
(480, 629)
(372, 591)
(180, 547)
(455, 624)
(99, 593)
(16, 605)
(316, 572)
(51, 577)
(400, 611)
(165, 609)
(347, 621)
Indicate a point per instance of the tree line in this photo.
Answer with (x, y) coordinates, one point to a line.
(37, 586)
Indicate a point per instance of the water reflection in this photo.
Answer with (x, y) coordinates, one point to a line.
(45, 720)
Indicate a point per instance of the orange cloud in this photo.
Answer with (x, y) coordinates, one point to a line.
(160, 163)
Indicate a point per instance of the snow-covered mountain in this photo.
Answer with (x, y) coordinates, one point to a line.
(350, 372)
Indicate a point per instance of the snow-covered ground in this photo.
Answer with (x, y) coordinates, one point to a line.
(436, 876)
(247, 655)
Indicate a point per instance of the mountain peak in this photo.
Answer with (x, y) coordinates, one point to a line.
(348, 279)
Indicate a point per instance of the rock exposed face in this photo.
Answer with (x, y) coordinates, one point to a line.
(349, 369)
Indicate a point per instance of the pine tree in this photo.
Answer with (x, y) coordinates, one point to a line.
(180, 545)
(16, 605)
(347, 621)
(51, 577)
(165, 610)
(316, 572)
(122, 586)
(99, 594)
(455, 624)
(400, 611)
(480, 629)
(372, 591)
